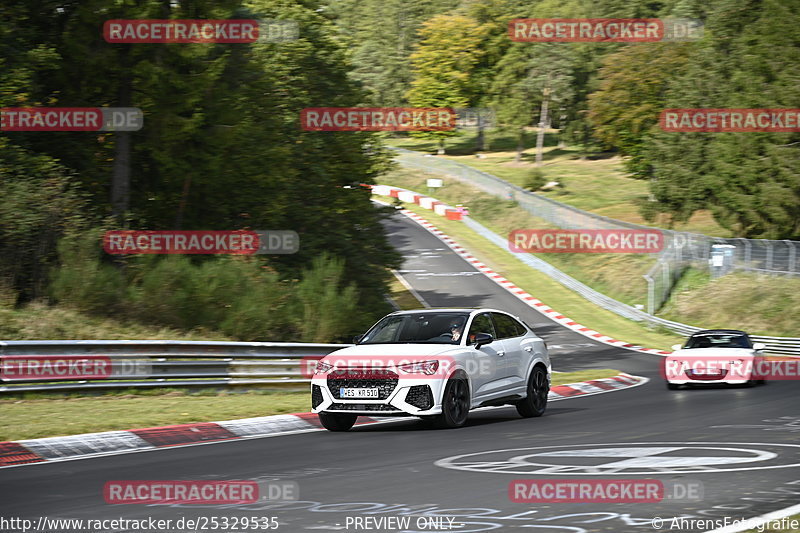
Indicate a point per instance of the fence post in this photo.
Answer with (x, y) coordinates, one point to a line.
(651, 294)
(747, 253)
(792, 256)
(769, 255)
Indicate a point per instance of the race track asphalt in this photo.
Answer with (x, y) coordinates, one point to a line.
(739, 445)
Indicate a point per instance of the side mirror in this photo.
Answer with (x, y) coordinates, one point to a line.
(357, 339)
(758, 346)
(676, 347)
(482, 339)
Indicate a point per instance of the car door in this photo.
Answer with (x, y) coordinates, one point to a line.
(483, 364)
(511, 333)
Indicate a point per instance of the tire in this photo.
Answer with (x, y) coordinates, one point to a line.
(672, 386)
(337, 421)
(455, 404)
(535, 402)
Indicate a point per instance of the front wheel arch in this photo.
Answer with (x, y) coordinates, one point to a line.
(458, 373)
(453, 416)
(535, 402)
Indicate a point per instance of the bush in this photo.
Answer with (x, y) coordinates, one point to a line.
(39, 203)
(82, 281)
(323, 308)
(237, 296)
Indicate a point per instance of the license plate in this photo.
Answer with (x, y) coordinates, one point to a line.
(358, 393)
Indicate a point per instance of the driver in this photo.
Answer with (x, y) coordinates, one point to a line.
(456, 329)
(453, 332)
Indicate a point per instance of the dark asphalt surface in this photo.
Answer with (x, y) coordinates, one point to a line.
(729, 437)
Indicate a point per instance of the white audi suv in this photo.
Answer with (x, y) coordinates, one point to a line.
(436, 364)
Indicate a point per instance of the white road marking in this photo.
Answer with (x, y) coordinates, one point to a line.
(633, 459)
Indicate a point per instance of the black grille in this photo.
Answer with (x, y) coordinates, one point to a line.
(420, 396)
(362, 407)
(316, 396)
(356, 378)
(707, 377)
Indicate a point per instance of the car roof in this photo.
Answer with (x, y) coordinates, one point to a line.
(449, 310)
(717, 331)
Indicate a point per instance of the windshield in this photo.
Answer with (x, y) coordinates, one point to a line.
(426, 328)
(719, 340)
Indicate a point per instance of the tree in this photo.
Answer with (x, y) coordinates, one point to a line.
(221, 147)
(381, 35)
(443, 64)
(528, 74)
(632, 93)
(749, 181)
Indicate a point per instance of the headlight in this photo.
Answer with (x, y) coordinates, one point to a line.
(426, 367)
(322, 367)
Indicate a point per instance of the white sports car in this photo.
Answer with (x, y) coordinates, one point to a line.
(714, 356)
(436, 364)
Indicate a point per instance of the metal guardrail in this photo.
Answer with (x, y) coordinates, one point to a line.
(154, 364)
(150, 364)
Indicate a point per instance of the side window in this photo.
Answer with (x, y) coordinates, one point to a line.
(507, 327)
(481, 324)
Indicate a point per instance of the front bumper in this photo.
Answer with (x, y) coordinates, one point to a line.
(722, 378)
(403, 399)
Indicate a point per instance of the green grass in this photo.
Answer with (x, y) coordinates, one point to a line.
(617, 275)
(758, 304)
(39, 321)
(47, 415)
(53, 416)
(563, 378)
(597, 183)
(547, 290)
(402, 296)
(771, 303)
